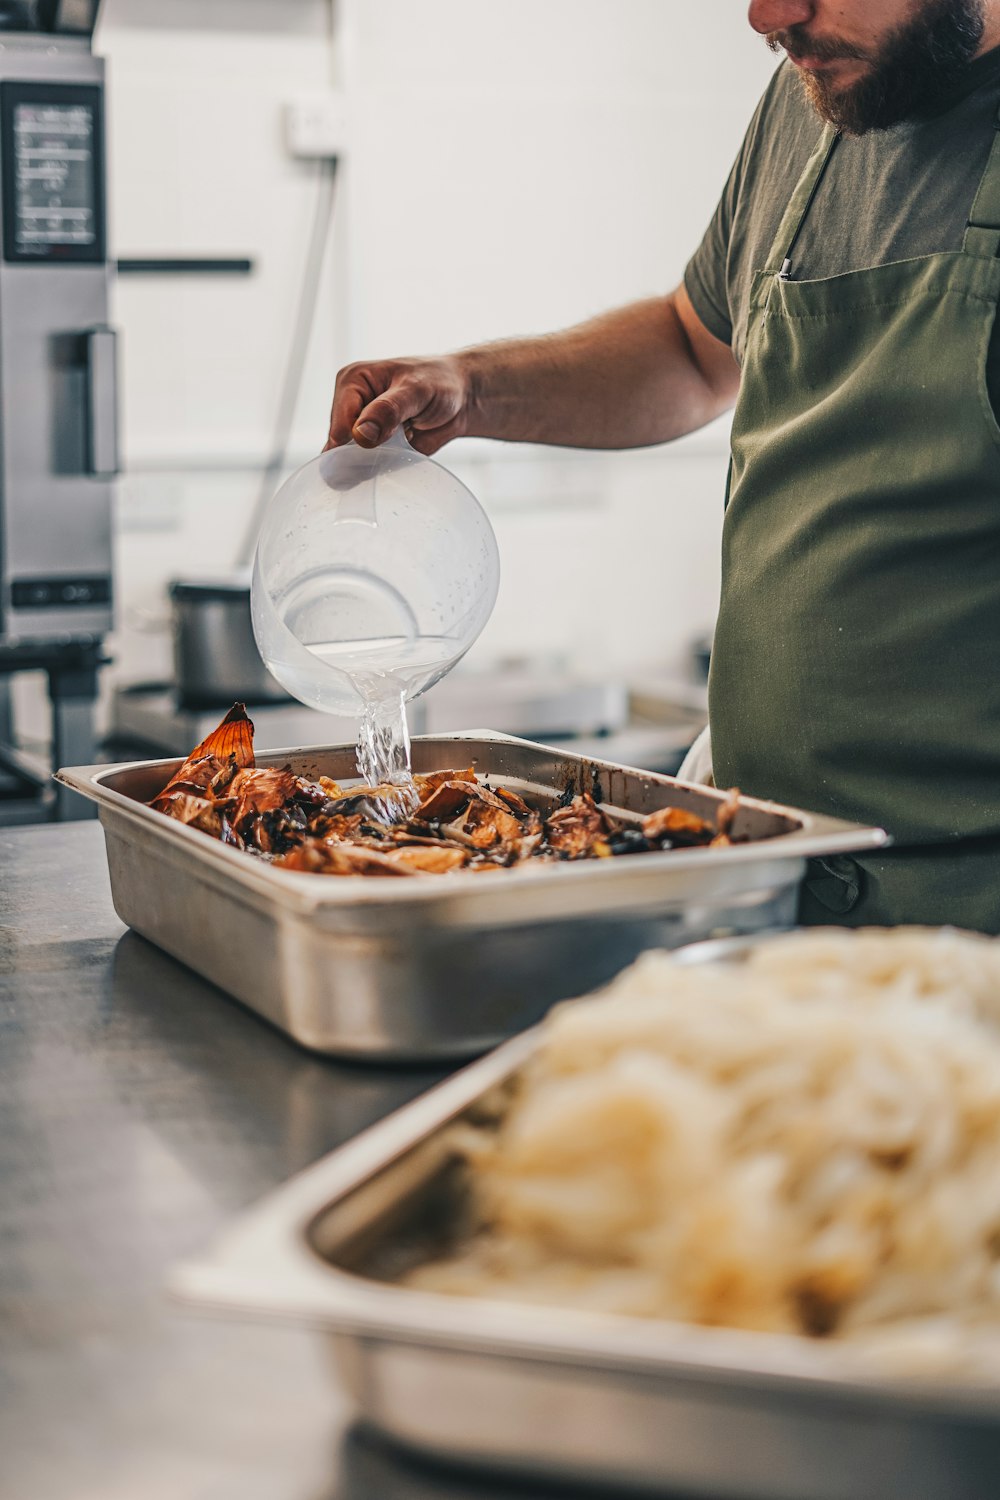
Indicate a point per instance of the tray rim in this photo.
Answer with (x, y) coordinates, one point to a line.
(263, 1265)
(818, 834)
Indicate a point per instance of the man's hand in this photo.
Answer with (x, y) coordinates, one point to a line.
(428, 398)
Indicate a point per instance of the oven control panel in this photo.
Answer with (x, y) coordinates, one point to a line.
(52, 173)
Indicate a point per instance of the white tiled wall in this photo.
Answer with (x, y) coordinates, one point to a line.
(512, 167)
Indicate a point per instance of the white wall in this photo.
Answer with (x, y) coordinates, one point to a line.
(542, 159)
(518, 167)
(512, 167)
(198, 166)
(197, 94)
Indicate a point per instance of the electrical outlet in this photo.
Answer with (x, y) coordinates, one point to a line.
(316, 125)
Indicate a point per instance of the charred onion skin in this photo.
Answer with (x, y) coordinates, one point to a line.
(457, 822)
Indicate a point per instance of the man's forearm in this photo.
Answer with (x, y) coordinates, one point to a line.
(626, 379)
(641, 375)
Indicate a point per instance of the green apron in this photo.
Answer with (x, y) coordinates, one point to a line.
(856, 665)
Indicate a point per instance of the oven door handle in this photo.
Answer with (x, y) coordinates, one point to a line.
(102, 402)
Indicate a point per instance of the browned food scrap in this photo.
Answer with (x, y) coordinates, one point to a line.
(675, 827)
(230, 740)
(469, 814)
(196, 812)
(229, 747)
(428, 859)
(449, 798)
(447, 820)
(427, 783)
(579, 830)
(252, 792)
(726, 818)
(193, 779)
(339, 859)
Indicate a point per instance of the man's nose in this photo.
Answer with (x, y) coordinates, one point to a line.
(778, 15)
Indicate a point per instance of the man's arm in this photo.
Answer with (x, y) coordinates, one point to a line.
(640, 375)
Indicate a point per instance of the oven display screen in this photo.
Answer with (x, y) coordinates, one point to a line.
(54, 163)
(52, 174)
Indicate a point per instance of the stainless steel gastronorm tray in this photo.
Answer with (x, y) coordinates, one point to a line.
(648, 1406)
(443, 966)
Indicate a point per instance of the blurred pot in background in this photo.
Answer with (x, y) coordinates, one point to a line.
(216, 661)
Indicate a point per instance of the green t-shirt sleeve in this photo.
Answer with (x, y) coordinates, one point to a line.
(708, 278)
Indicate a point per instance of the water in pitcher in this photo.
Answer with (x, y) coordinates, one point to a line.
(375, 572)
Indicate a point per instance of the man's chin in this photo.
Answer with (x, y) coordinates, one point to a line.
(837, 103)
(916, 70)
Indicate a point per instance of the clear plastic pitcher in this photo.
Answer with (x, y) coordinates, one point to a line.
(376, 569)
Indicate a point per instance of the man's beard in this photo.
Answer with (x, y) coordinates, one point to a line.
(915, 69)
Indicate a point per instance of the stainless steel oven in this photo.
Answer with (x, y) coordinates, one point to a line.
(58, 398)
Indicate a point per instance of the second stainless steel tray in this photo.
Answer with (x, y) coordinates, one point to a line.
(652, 1407)
(443, 966)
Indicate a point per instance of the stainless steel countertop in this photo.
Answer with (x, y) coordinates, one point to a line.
(139, 1110)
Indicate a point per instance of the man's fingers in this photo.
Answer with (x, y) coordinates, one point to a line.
(358, 387)
(348, 403)
(381, 417)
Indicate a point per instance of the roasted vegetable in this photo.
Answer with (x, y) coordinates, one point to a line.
(445, 821)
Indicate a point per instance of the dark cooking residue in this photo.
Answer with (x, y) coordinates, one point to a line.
(456, 821)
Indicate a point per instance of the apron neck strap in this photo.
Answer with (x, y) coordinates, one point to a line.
(982, 233)
(779, 260)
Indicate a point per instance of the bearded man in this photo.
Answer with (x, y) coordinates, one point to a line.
(844, 297)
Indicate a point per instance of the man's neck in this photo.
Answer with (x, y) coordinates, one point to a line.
(991, 31)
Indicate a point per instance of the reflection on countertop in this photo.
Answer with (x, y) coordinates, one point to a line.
(139, 1110)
